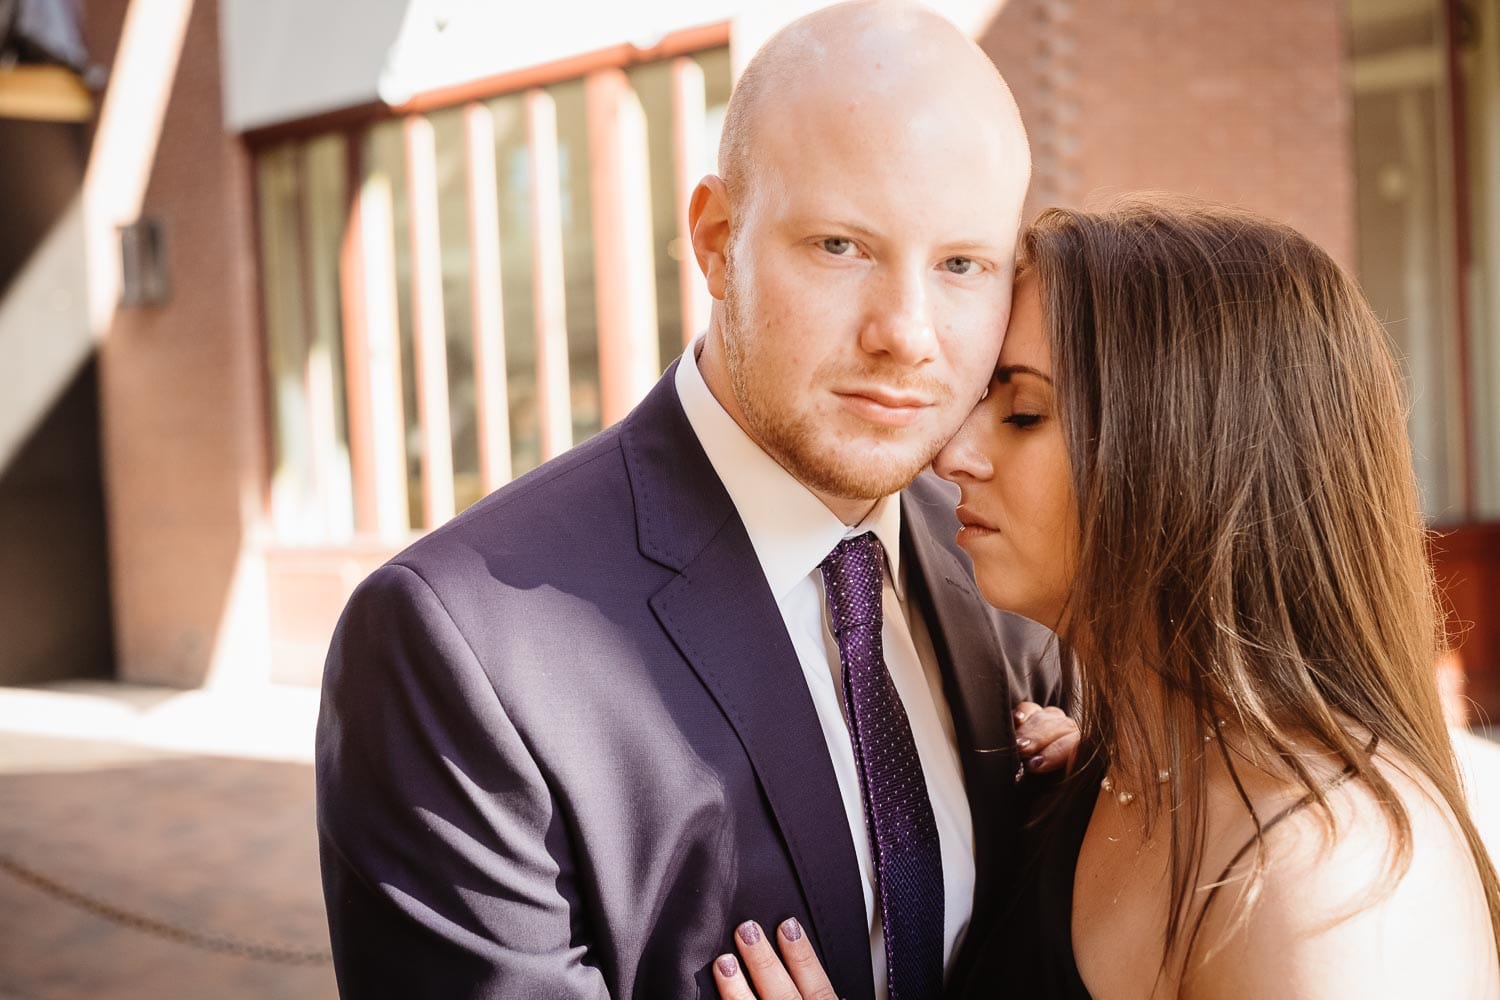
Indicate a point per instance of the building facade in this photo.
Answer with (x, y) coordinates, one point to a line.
(338, 270)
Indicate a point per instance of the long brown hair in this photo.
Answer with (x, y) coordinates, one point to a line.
(1251, 546)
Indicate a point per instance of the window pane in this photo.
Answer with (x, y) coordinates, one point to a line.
(304, 208)
(293, 505)
(652, 83)
(716, 86)
(513, 176)
(578, 257)
(1482, 79)
(458, 316)
(1404, 174)
(385, 157)
(325, 171)
(301, 199)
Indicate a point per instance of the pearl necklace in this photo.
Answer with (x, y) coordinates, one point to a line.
(1125, 797)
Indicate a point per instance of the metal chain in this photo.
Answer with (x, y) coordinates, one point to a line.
(222, 943)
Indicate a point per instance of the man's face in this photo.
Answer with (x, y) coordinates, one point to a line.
(867, 288)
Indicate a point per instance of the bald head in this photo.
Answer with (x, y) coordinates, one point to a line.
(884, 66)
(859, 244)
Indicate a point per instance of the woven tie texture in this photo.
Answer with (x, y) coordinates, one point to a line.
(898, 815)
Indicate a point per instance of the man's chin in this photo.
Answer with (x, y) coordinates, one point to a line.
(862, 469)
(846, 458)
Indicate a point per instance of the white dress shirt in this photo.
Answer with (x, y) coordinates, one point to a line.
(792, 532)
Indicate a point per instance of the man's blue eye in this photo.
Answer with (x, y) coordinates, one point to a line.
(837, 245)
(961, 265)
(1022, 420)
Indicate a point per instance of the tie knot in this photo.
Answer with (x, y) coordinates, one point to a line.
(852, 576)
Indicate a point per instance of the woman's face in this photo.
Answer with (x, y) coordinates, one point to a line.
(1017, 507)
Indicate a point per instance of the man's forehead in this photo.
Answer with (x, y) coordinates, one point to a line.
(879, 135)
(962, 200)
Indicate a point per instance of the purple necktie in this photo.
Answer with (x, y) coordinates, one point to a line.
(898, 815)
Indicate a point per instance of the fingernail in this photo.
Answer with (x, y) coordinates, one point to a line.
(1035, 763)
(791, 930)
(727, 966)
(1020, 715)
(1023, 743)
(749, 932)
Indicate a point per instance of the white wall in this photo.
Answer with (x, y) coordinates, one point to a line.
(289, 59)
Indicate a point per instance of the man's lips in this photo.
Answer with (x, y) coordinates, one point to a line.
(884, 406)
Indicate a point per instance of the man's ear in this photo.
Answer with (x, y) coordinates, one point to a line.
(709, 222)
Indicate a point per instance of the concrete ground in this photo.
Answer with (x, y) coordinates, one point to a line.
(152, 840)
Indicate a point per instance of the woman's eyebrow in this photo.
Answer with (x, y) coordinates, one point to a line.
(1004, 372)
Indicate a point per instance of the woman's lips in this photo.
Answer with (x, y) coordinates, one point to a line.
(973, 528)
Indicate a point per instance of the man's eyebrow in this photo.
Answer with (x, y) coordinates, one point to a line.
(833, 225)
(1004, 372)
(970, 248)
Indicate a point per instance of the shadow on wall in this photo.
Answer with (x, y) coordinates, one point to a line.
(54, 586)
(54, 578)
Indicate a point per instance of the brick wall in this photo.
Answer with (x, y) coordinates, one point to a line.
(1239, 102)
(181, 399)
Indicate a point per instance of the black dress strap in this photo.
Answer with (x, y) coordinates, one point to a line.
(1348, 772)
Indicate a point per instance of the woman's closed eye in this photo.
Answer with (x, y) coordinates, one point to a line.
(1021, 421)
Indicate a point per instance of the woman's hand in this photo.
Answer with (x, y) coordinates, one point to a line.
(801, 976)
(1045, 738)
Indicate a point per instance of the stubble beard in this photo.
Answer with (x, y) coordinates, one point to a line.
(794, 440)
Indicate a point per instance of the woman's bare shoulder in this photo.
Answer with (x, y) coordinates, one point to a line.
(1336, 915)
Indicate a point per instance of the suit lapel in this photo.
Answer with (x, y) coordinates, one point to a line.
(720, 613)
(721, 616)
(959, 621)
(978, 688)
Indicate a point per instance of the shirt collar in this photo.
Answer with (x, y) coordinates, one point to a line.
(791, 530)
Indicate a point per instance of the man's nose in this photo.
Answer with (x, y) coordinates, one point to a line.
(900, 323)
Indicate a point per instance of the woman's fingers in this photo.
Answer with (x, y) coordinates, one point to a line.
(1058, 754)
(795, 975)
(758, 957)
(730, 979)
(1045, 738)
(806, 971)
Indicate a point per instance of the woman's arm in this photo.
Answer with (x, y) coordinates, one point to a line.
(1334, 920)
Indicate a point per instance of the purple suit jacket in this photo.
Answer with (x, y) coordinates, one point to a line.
(565, 744)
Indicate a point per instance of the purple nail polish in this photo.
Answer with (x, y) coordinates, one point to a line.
(791, 930)
(749, 932)
(1035, 763)
(1022, 743)
(727, 966)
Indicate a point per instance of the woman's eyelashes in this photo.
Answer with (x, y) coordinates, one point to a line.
(1022, 421)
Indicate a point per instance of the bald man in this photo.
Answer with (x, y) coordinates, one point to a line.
(724, 661)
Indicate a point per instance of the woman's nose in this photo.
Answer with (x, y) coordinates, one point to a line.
(963, 458)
